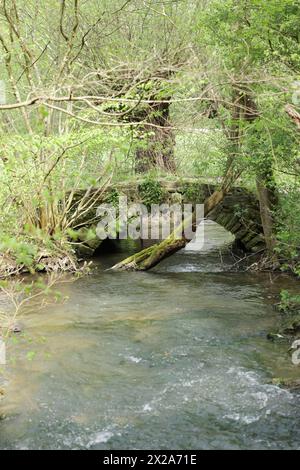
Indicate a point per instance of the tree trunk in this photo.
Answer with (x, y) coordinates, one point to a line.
(265, 184)
(267, 201)
(158, 141)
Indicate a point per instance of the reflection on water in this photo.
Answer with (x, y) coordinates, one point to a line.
(174, 358)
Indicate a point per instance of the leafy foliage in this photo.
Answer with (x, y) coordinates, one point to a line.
(151, 192)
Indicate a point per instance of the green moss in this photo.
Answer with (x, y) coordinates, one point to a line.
(289, 321)
(113, 197)
(288, 302)
(151, 192)
(193, 192)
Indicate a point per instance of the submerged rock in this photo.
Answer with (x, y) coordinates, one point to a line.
(288, 327)
(276, 337)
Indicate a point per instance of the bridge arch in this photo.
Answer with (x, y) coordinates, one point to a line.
(238, 213)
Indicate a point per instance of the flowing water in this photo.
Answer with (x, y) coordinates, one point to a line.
(175, 358)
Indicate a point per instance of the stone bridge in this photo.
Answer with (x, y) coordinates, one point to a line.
(238, 213)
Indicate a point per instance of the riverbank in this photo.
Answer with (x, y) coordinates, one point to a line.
(287, 331)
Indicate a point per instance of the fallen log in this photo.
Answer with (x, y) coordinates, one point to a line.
(151, 256)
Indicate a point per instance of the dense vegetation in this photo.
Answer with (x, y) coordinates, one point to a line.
(98, 92)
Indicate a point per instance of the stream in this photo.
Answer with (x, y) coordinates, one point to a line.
(176, 358)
